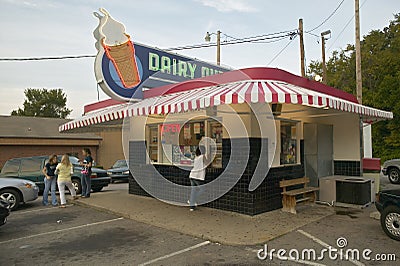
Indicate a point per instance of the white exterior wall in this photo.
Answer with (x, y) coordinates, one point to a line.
(367, 141)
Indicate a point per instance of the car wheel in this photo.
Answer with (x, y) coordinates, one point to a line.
(12, 197)
(97, 189)
(76, 183)
(394, 175)
(390, 221)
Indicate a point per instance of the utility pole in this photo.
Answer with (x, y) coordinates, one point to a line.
(302, 54)
(323, 60)
(218, 47)
(323, 39)
(359, 79)
(358, 53)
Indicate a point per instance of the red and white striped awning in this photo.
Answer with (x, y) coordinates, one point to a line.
(252, 91)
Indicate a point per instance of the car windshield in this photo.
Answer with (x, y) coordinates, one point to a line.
(120, 164)
(74, 160)
(11, 166)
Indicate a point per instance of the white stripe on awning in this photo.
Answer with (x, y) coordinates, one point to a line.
(252, 91)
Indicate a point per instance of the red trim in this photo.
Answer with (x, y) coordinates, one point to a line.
(99, 105)
(257, 73)
(372, 164)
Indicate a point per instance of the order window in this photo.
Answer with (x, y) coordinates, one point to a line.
(176, 143)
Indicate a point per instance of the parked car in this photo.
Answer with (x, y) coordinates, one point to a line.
(4, 212)
(391, 168)
(119, 171)
(15, 191)
(388, 204)
(30, 168)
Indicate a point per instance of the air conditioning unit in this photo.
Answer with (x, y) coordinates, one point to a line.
(355, 191)
(346, 189)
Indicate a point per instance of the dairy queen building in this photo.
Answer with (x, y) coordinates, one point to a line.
(261, 126)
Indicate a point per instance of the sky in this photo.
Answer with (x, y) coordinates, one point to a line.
(36, 28)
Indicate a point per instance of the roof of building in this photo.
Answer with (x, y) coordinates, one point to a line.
(37, 127)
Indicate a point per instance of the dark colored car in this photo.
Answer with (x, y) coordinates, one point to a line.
(30, 168)
(391, 168)
(4, 212)
(388, 204)
(119, 171)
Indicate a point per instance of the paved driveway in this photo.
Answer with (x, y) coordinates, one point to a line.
(36, 235)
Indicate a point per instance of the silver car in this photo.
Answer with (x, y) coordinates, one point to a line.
(391, 168)
(16, 191)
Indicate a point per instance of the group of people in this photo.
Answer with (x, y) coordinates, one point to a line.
(59, 173)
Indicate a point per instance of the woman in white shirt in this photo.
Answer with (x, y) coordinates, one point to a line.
(197, 176)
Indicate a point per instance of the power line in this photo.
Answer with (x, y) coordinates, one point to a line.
(253, 39)
(325, 20)
(281, 51)
(265, 38)
(344, 28)
(46, 58)
(315, 35)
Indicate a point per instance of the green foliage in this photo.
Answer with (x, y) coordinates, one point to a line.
(380, 64)
(44, 103)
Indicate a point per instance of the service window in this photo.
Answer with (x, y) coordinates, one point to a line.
(10, 167)
(176, 143)
(152, 143)
(180, 141)
(288, 143)
(31, 165)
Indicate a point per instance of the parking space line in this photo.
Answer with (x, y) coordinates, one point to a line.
(326, 245)
(176, 253)
(38, 210)
(62, 230)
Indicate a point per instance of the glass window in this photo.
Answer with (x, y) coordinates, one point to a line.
(152, 143)
(31, 165)
(176, 143)
(120, 164)
(11, 166)
(288, 143)
(74, 160)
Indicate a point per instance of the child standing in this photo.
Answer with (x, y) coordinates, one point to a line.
(65, 170)
(197, 176)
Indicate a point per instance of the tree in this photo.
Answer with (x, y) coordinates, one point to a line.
(44, 103)
(380, 56)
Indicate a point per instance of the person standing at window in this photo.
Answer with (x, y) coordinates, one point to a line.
(86, 172)
(50, 181)
(64, 171)
(197, 176)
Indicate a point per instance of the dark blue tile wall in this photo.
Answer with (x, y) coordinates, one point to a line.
(349, 168)
(265, 198)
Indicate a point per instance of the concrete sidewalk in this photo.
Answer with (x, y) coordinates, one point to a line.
(210, 224)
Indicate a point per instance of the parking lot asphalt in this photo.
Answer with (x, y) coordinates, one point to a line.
(83, 236)
(79, 235)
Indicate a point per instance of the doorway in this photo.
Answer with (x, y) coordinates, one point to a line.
(318, 151)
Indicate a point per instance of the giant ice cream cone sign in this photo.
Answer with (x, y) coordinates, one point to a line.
(124, 68)
(116, 45)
